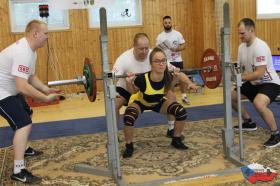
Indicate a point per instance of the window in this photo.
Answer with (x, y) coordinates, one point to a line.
(268, 9)
(23, 11)
(119, 13)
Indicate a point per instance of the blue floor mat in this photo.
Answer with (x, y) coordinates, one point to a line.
(98, 124)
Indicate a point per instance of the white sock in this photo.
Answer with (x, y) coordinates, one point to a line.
(170, 125)
(184, 95)
(18, 165)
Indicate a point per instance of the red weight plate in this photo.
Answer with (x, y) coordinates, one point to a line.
(90, 85)
(213, 76)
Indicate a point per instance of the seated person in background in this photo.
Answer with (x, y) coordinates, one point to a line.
(261, 82)
(151, 88)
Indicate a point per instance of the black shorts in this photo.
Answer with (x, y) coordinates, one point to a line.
(155, 108)
(16, 111)
(124, 93)
(271, 90)
(179, 65)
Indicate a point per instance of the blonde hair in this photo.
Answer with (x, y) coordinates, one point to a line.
(33, 26)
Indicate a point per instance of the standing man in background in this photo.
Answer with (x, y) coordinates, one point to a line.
(17, 79)
(172, 43)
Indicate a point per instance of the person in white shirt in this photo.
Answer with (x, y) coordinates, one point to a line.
(136, 60)
(18, 79)
(261, 84)
(172, 43)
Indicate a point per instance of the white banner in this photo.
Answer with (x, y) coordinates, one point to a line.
(78, 4)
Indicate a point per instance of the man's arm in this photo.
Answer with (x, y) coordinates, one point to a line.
(257, 74)
(36, 83)
(180, 48)
(27, 89)
(182, 77)
(181, 42)
(119, 66)
(185, 79)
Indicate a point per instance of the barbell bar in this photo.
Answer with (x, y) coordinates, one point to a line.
(81, 80)
(210, 72)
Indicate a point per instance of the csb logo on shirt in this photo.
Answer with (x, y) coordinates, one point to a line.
(24, 69)
(260, 58)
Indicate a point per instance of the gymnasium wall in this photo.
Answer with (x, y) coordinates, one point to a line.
(197, 20)
(268, 30)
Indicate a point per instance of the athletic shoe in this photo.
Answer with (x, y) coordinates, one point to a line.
(186, 101)
(30, 152)
(247, 126)
(128, 152)
(170, 134)
(273, 141)
(178, 144)
(25, 176)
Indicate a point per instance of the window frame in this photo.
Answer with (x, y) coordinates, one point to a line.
(51, 27)
(266, 15)
(96, 24)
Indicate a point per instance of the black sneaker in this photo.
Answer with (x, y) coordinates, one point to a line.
(128, 150)
(170, 134)
(273, 141)
(247, 126)
(30, 152)
(178, 144)
(25, 177)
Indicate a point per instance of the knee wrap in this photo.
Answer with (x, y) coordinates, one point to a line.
(178, 111)
(130, 115)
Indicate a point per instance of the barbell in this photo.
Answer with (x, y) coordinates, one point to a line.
(211, 74)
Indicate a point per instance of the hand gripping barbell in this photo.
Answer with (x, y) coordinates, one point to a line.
(210, 72)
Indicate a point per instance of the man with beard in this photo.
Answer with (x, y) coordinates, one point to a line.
(172, 43)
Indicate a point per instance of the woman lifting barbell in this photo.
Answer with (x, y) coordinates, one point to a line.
(151, 88)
